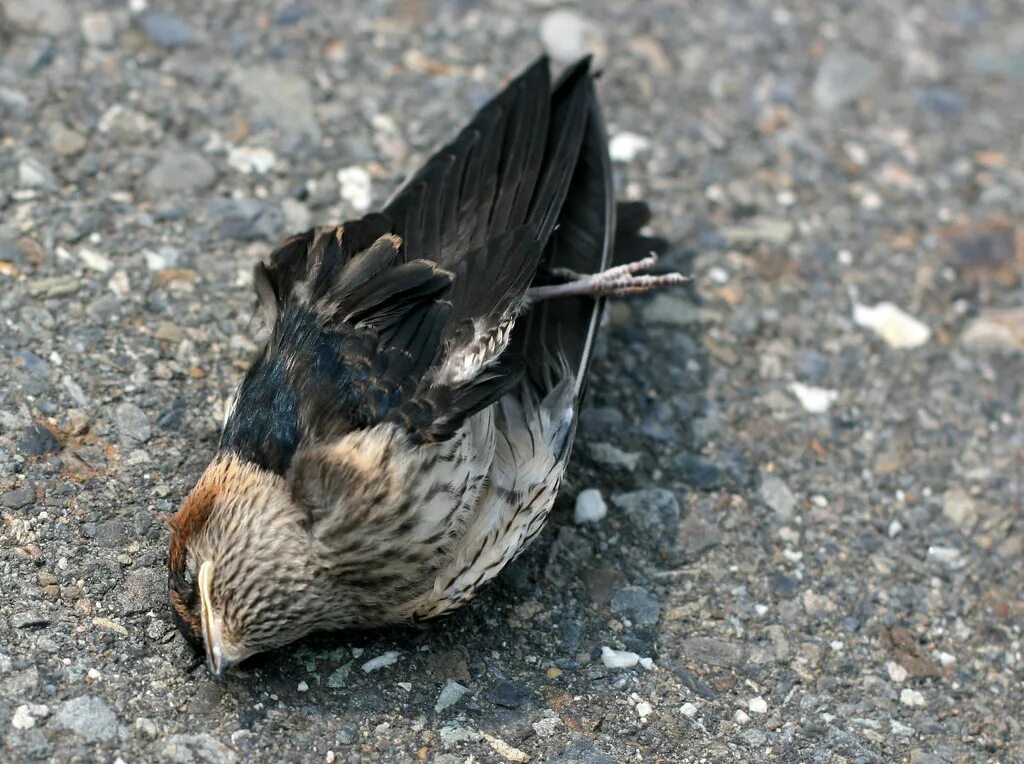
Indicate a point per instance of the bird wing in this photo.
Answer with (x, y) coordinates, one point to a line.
(404, 316)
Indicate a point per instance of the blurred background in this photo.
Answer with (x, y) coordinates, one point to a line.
(806, 539)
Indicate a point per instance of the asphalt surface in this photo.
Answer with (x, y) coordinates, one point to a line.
(811, 460)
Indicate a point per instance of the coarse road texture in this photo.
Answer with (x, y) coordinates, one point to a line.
(811, 460)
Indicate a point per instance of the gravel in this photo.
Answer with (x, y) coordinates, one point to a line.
(809, 455)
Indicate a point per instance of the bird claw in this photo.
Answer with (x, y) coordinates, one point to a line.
(617, 280)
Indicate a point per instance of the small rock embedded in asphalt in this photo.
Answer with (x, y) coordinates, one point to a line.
(637, 604)
(776, 494)
(590, 507)
(381, 661)
(180, 170)
(451, 694)
(842, 77)
(911, 697)
(815, 400)
(166, 29)
(51, 17)
(613, 456)
(19, 498)
(894, 325)
(191, 749)
(618, 658)
(626, 146)
(37, 441)
(132, 425)
(88, 717)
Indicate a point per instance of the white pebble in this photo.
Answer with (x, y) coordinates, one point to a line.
(688, 710)
(590, 507)
(894, 325)
(909, 697)
(618, 658)
(94, 260)
(816, 400)
(946, 659)
(644, 709)
(355, 187)
(896, 672)
(895, 529)
(303, 687)
(757, 705)
(647, 664)
(22, 719)
(330, 757)
(741, 716)
(387, 659)
(407, 686)
(944, 555)
(251, 159)
(94, 674)
(626, 146)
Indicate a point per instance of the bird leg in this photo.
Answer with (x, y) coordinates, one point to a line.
(619, 280)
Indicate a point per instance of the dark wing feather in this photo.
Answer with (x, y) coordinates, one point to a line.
(363, 314)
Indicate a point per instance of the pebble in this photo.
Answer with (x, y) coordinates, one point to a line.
(94, 260)
(339, 677)
(613, 456)
(688, 710)
(302, 687)
(387, 659)
(637, 604)
(568, 36)
(815, 400)
(166, 29)
(51, 17)
(179, 170)
(945, 555)
(713, 651)
(65, 141)
(958, 506)
(776, 494)
(618, 658)
(654, 513)
(626, 146)
(644, 709)
(775, 231)
(280, 98)
(252, 159)
(98, 29)
(37, 441)
(247, 219)
(454, 734)
(842, 77)
(192, 749)
(88, 717)
(912, 698)
(741, 716)
(896, 672)
(451, 694)
(34, 174)
(297, 216)
(25, 715)
(895, 326)
(19, 498)
(590, 507)
(506, 751)
(995, 329)
(355, 187)
(547, 726)
(757, 705)
(132, 425)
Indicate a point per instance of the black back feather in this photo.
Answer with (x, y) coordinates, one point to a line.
(363, 315)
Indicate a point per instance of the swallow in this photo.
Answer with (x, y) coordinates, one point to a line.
(404, 430)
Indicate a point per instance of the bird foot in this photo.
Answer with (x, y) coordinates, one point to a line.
(619, 280)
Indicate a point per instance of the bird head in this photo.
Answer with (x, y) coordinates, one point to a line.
(238, 578)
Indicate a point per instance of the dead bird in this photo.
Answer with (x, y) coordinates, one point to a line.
(405, 428)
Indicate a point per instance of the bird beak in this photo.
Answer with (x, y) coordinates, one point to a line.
(212, 627)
